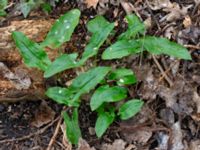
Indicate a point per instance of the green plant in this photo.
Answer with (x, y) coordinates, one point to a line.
(3, 4)
(108, 84)
(25, 6)
(134, 41)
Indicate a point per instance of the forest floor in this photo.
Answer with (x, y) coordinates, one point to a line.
(170, 88)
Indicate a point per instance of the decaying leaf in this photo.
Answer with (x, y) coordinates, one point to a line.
(19, 79)
(196, 99)
(116, 145)
(91, 3)
(177, 137)
(194, 145)
(83, 145)
(163, 140)
(43, 115)
(190, 34)
(173, 9)
(127, 6)
(138, 136)
(187, 22)
(159, 4)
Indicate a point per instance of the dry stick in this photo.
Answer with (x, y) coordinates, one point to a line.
(192, 46)
(166, 71)
(55, 134)
(162, 71)
(30, 135)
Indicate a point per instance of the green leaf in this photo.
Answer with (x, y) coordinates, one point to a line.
(61, 63)
(46, 8)
(62, 96)
(121, 49)
(130, 108)
(156, 45)
(26, 7)
(88, 80)
(100, 28)
(32, 53)
(104, 120)
(123, 76)
(62, 29)
(135, 26)
(3, 4)
(2, 13)
(72, 127)
(107, 94)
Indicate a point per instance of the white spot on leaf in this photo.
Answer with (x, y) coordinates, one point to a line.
(67, 27)
(121, 80)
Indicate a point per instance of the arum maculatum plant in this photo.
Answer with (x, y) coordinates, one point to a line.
(95, 79)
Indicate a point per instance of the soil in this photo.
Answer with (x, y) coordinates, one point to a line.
(170, 117)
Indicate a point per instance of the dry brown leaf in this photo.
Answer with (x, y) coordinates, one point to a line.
(43, 115)
(91, 3)
(194, 145)
(148, 23)
(138, 136)
(128, 7)
(190, 34)
(167, 115)
(103, 7)
(159, 4)
(177, 137)
(83, 145)
(173, 9)
(175, 12)
(163, 140)
(118, 144)
(187, 22)
(178, 97)
(196, 99)
(19, 79)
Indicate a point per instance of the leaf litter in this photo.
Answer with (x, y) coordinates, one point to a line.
(170, 117)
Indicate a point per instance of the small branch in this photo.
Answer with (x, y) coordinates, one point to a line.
(192, 46)
(167, 71)
(55, 134)
(162, 71)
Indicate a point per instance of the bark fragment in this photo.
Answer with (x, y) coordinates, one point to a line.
(17, 81)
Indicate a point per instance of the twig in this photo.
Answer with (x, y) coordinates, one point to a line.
(55, 134)
(162, 71)
(168, 69)
(192, 46)
(30, 135)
